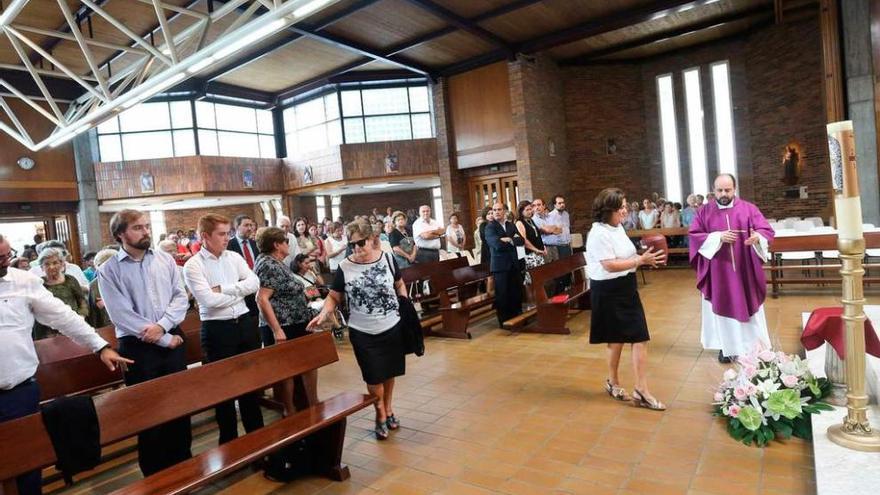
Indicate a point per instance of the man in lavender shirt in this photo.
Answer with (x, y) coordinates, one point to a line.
(146, 302)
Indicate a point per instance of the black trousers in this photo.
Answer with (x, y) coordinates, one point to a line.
(226, 338)
(167, 444)
(23, 400)
(508, 293)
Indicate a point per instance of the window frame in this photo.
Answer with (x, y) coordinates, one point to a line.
(697, 186)
(671, 172)
(732, 169)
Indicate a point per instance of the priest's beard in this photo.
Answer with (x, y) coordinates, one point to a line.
(724, 200)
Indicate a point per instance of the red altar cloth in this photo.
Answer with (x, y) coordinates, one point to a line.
(826, 325)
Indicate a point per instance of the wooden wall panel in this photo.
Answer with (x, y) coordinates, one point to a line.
(482, 122)
(54, 176)
(367, 160)
(186, 175)
(326, 166)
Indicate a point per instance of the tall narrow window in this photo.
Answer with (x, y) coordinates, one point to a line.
(335, 203)
(321, 209)
(696, 137)
(669, 138)
(724, 118)
(438, 205)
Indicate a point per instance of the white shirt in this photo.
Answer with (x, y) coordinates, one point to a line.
(22, 299)
(420, 226)
(332, 246)
(607, 243)
(457, 233)
(70, 269)
(648, 220)
(230, 271)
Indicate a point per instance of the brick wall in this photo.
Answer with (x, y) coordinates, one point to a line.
(538, 106)
(188, 219)
(363, 204)
(604, 102)
(776, 79)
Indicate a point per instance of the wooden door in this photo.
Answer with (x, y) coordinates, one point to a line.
(485, 191)
(66, 232)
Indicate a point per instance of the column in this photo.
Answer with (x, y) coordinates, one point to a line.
(85, 153)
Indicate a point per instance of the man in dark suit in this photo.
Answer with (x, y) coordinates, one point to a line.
(502, 238)
(243, 243)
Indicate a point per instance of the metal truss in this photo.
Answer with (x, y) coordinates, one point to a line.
(176, 52)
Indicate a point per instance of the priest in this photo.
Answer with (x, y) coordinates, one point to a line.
(728, 244)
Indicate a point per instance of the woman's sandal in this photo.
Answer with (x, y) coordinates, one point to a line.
(381, 431)
(616, 393)
(392, 423)
(639, 400)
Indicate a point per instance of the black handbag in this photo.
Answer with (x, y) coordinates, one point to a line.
(410, 327)
(291, 462)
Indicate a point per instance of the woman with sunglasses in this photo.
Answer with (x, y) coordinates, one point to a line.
(370, 279)
(284, 307)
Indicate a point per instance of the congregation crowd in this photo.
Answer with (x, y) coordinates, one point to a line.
(259, 287)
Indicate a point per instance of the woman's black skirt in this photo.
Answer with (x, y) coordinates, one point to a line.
(290, 331)
(381, 356)
(617, 313)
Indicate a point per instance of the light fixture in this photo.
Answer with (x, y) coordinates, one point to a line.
(244, 36)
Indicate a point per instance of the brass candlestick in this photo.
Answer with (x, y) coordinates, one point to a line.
(855, 432)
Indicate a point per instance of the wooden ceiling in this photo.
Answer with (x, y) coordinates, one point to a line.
(418, 38)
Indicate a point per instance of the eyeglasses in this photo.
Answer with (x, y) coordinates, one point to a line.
(361, 243)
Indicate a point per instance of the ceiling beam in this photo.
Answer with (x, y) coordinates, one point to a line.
(463, 23)
(590, 56)
(60, 88)
(286, 40)
(355, 47)
(587, 29)
(82, 13)
(327, 77)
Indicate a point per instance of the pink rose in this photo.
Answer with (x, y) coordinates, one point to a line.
(751, 389)
(782, 357)
(740, 393)
(750, 371)
(766, 355)
(789, 381)
(733, 411)
(730, 374)
(718, 397)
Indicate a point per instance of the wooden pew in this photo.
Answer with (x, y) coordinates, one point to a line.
(25, 444)
(460, 299)
(817, 243)
(421, 272)
(672, 232)
(67, 368)
(552, 314)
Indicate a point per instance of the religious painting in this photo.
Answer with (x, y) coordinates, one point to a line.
(610, 146)
(248, 178)
(147, 184)
(308, 178)
(392, 166)
(551, 147)
(792, 163)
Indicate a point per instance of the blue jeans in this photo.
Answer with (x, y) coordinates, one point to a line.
(20, 401)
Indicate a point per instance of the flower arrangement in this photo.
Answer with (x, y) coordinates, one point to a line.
(770, 395)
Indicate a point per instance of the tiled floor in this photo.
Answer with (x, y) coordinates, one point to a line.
(526, 414)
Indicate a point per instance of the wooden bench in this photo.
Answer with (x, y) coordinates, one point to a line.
(460, 299)
(421, 272)
(552, 313)
(67, 368)
(25, 444)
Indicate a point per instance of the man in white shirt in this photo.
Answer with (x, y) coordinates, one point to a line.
(219, 280)
(23, 298)
(427, 233)
(69, 268)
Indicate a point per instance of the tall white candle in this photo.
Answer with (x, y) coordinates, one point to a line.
(844, 178)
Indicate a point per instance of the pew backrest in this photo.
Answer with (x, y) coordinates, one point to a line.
(457, 279)
(25, 444)
(541, 275)
(427, 271)
(67, 368)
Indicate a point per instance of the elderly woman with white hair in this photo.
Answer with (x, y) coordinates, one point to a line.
(61, 285)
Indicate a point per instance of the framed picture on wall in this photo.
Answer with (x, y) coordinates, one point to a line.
(610, 146)
(392, 166)
(147, 184)
(307, 175)
(248, 178)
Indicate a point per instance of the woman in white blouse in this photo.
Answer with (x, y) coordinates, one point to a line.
(455, 236)
(617, 314)
(648, 216)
